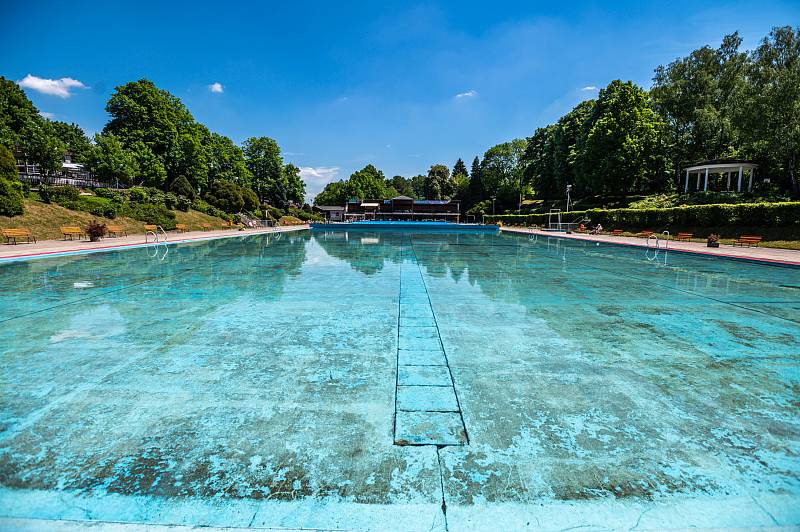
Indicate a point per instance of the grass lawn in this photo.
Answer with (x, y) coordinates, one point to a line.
(45, 219)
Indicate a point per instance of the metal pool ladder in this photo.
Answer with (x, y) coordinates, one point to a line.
(156, 236)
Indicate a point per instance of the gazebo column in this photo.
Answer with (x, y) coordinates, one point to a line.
(750, 186)
(686, 187)
(728, 186)
(698, 182)
(739, 186)
(705, 187)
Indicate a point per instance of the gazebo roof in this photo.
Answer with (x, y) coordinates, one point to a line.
(721, 164)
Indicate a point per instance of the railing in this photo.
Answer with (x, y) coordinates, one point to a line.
(81, 182)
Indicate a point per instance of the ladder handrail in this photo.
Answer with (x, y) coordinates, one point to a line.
(155, 236)
(159, 228)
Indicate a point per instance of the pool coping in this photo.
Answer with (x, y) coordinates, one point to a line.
(792, 258)
(8, 252)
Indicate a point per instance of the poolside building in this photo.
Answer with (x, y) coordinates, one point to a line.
(398, 208)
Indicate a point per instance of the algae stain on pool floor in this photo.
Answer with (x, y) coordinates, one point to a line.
(268, 372)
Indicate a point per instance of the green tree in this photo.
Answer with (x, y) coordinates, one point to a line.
(150, 168)
(21, 127)
(226, 161)
(369, 183)
(502, 172)
(540, 164)
(695, 96)
(437, 182)
(111, 162)
(418, 185)
(459, 168)
(74, 140)
(180, 186)
(263, 158)
(334, 193)
(8, 165)
(295, 187)
(402, 185)
(769, 105)
(622, 151)
(225, 195)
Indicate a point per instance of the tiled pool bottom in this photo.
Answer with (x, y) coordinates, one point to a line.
(254, 382)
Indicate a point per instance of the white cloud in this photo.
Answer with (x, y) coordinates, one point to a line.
(47, 115)
(54, 87)
(468, 94)
(216, 87)
(589, 88)
(342, 99)
(316, 178)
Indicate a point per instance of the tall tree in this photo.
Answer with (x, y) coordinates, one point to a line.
(295, 188)
(263, 158)
(769, 109)
(226, 161)
(437, 183)
(540, 166)
(695, 97)
(74, 139)
(110, 161)
(402, 185)
(459, 168)
(502, 172)
(622, 151)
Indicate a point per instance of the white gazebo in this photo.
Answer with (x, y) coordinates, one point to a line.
(727, 167)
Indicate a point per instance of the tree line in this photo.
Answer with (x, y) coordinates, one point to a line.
(714, 103)
(151, 140)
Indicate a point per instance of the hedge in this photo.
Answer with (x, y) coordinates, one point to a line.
(781, 214)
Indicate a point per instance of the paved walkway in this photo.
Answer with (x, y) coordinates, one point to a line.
(782, 256)
(49, 247)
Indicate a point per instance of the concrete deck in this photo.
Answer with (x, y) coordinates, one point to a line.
(781, 256)
(53, 247)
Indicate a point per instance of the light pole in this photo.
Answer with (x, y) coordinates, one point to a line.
(569, 188)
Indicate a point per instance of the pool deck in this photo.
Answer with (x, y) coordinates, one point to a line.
(763, 254)
(52, 247)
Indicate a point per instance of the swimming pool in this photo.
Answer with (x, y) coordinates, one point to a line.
(278, 381)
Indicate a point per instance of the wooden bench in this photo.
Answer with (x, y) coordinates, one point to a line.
(14, 234)
(616, 232)
(116, 230)
(150, 227)
(205, 226)
(644, 234)
(684, 236)
(181, 228)
(71, 231)
(749, 240)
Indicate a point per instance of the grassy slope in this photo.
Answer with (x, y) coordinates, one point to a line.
(44, 220)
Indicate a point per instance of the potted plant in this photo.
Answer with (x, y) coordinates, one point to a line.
(713, 240)
(96, 230)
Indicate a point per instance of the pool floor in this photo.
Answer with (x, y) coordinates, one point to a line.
(400, 381)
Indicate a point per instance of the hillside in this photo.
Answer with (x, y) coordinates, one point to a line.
(45, 219)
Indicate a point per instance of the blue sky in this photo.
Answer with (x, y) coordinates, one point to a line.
(340, 85)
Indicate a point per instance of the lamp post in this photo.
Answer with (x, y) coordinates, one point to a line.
(569, 188)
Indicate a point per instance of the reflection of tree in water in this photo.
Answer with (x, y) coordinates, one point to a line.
(365, 252)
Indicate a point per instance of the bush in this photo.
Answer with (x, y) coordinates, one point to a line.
(716, 215)
(202, 206)
(66, 192)
(273, 213)
(180, 186)
(183, 203)
(138, 195)
(152, 214)
(96, 230)
(11, 197)
(113, 195)
(250, 198)
(225, 195)
(290, 220)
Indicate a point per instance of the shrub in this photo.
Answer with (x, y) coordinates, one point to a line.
(273, 213)
(290, 220)
(183, 203)
(152, 214)
(138, 195)
(11, 197)
(250, 198)
(180, 186)
(716, 215)
(170, 200)
(58, 193)
(95, 230)
(203, 206)
(108, 193)
(225, 195)
(8, 165)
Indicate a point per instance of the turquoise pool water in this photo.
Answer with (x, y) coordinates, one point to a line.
(294, 381)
